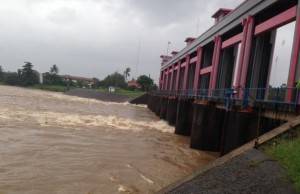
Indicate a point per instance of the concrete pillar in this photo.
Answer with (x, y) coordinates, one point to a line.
(186, 71)
(163, 108)
(247, 51)
(294, 66)
(216, 61)
(238, 129)
(184, 117)
(207, 127)
(198, 66)
(172, 111)
(158, 107)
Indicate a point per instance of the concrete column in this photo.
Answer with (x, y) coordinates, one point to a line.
(163, 108)
(172, 77)
(247, 51)
(242, 51)
(172, 111)
(198, 66)
(184, 117)
(186, 72)
(207, 127)
(238, 129)
(216, 61)
(178, 76)
(158, 107)
(294, 66)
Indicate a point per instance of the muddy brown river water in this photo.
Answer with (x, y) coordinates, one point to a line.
(51, 143)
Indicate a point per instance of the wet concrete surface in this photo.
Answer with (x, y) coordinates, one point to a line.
(251, 172)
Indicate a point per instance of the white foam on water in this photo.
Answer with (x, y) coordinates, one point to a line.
(46, 119)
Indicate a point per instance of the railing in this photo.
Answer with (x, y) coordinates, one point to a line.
(245, 96)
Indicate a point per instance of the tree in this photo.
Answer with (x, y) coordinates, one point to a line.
(12, 78)
(146, 82)
(116, 79)
(54, 70)
(127, 73)
(1, 74)
(52, 77)
(28, 75)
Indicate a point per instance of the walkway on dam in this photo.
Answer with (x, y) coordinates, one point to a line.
(251, 172)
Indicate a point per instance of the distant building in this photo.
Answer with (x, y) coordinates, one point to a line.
(134, 84)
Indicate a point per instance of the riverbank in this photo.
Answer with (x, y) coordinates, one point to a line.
(271, 168)
(286, 151)
(120, 95)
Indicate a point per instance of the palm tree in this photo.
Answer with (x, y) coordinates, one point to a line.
(54, 69)
(127, 72)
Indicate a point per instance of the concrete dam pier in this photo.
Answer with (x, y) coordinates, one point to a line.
(212, 127)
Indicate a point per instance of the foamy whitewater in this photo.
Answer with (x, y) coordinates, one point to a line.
(54, 143)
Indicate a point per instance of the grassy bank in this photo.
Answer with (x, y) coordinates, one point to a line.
(123, 92)
(286, 150)
(53, 88)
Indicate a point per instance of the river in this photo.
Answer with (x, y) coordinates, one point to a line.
(51, 143)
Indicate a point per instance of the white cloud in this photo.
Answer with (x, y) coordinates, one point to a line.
(97, 37)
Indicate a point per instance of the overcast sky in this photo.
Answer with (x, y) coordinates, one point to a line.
(93, 38)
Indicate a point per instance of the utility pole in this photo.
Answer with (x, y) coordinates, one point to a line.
(168, 47)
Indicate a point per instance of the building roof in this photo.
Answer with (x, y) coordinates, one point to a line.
(221, 11)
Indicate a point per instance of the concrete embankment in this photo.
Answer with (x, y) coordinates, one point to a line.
(211, 127)
(244, 170)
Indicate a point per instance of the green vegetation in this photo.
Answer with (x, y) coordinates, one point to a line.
(52, 81)
(286, 150)
(124, 92)
(146, 82)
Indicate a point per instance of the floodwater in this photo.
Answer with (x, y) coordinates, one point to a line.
(51, 143)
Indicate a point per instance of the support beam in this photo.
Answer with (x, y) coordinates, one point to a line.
(247, 51)
(216, 61)
(233, 40)
(172, 77)
(277, 21)
(186, 70)
(242, 51)
(206, 70)
(198, 66)
(178, 76)
(295, 56)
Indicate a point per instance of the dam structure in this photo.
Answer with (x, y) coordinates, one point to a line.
(236, 81)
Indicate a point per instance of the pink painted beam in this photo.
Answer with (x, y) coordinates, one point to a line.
(178, 76)
(186, 71)
(242, 51)
(206, 70)
(167, 77)
(197, 69)
(216, 61)
(172, 77)
(233, 40)
(277, 21)
(295, 58)
(247, 51)
(183, 64)
(193, 60)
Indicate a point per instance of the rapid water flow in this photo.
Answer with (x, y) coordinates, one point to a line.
(51, 143)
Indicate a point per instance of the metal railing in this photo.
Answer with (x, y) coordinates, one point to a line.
(246, 96)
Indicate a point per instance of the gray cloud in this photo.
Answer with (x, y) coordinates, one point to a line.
(96, 37)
